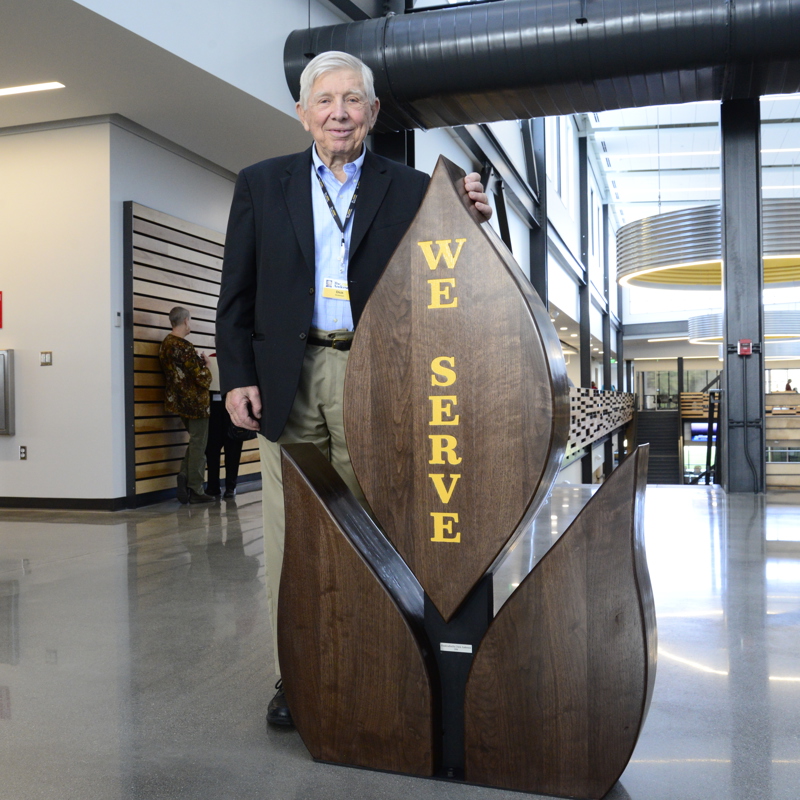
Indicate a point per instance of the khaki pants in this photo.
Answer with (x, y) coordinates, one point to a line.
(193, 465)
(316, 417)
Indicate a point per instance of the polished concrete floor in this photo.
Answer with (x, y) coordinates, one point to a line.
(135, 653)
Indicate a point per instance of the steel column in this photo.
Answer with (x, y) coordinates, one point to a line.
(533, 139)
(584, 292)
(396, 146)
(609, 445)
(743, 467)
(607, 312)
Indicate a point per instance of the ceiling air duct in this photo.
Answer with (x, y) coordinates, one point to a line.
(517, 59)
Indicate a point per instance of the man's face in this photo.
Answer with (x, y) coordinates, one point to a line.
(338, 115)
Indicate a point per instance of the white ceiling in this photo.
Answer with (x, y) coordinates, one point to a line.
(666, 152)
(664, 158)
(109, 70)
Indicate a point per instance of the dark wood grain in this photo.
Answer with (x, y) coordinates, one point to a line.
(354, 667)
(510, 386)
(561, 684)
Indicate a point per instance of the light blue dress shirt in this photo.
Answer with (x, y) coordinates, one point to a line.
(330, 314)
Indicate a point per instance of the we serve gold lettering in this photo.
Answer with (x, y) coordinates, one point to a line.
(444, 447)
(442, 289)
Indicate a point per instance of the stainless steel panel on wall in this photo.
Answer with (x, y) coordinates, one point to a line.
(6, 392)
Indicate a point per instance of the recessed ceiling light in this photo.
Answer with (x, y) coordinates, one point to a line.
(565, 328)
(573, 334)
(34, 87)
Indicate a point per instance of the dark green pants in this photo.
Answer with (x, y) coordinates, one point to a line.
(193, 465)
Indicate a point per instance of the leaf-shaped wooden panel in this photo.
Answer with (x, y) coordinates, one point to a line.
(560, 686)
(456, 406)
(354, 659)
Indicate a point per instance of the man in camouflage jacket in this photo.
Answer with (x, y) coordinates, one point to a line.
(186, 394)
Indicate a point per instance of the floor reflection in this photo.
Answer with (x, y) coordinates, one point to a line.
(134, 655)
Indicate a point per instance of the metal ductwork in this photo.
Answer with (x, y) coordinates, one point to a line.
(516, 59)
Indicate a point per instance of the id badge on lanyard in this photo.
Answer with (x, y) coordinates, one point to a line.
(336, 286)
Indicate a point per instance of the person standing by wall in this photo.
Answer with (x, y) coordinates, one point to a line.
(186, 394)
(219, 438)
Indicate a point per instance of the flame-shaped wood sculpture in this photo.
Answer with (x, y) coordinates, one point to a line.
(456, 415)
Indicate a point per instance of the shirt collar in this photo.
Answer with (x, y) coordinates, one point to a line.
(351, 168)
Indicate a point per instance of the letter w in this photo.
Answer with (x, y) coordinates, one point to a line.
(444, 250)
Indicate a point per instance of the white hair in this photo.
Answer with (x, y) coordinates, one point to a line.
(330, 62)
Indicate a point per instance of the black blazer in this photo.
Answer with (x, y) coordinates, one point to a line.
(266, 299)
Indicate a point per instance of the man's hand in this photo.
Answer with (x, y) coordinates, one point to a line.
(474, 187)
(244, 406)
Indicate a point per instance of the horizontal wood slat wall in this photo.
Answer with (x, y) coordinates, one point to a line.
(170, 262)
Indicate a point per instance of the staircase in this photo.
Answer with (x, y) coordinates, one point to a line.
(662, 430)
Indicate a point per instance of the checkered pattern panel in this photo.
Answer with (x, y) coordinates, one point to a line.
(594, 413)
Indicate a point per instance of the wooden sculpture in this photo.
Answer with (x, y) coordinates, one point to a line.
(456, 413)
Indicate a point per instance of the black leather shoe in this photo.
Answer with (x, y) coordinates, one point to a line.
(230, 493)
(199, 497)
(183, 488)
(215, 492)
(278, 711)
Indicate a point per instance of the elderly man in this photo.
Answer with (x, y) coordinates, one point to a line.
(308, 237)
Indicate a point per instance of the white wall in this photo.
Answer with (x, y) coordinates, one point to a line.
(56, 282)
(240, 41)
(61, 274)
(429, 145)
(157, 178)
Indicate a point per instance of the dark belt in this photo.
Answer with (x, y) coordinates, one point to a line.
(335, 343)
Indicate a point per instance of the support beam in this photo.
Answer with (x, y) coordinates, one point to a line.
(502, 213)
(396, 146)
(629, 387)
(743, 421)
(607, 312)
(533, 138)
(584, 292)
